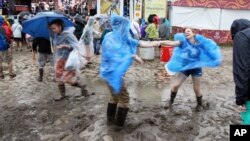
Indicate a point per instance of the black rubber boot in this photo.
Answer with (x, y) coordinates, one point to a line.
(83, 89)
(1, 72)
(111, 111)
(62, 92)
(172, 97)
(199, 106)
(121, 117)
(40, 78)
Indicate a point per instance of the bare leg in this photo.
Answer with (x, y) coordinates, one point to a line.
(196, 86)
(178, 80)
(20, 45)
(11, 74)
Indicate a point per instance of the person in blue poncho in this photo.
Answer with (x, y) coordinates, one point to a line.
(192, 53)
(118, 53)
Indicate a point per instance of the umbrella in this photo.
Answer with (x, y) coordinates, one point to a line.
(37, 26)
(80, 19)
(24, 13)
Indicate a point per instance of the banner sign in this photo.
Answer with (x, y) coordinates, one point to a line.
(157, 7)
(137, 9)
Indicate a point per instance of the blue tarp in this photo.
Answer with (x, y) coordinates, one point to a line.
(205, 53)
(117, 49)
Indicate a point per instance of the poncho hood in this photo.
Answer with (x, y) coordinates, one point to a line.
(239, 25)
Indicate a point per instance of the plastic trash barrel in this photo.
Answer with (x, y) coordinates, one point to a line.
(166, 53)
(147, 53)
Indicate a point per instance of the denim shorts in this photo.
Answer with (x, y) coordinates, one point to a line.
(197, 72)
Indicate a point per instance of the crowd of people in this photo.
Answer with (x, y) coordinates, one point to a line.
(116, 39)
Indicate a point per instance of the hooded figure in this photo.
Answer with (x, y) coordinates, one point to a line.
(240, 31)
(86, 40)
(117, 48)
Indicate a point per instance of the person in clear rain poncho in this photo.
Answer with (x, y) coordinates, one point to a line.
(65, 43)
(86, 40)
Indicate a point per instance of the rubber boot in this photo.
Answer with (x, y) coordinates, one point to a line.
(40, 78)
(111, 111)
(62, 92)
(172, 97)
(199, 106)
(83, 89)
(1, 72)
(120, 118)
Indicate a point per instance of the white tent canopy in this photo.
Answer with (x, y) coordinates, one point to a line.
(206, 18)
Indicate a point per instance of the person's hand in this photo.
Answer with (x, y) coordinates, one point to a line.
(138, 59)
(241, 108)
(63, 46)
(156, 43)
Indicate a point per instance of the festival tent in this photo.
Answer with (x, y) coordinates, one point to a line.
(212, 18)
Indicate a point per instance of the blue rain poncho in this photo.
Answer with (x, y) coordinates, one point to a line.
(117, 49)
(187, 56)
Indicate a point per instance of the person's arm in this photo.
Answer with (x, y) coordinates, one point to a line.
(137, 59)
(148, 44)
(170, 43)
(71, 40)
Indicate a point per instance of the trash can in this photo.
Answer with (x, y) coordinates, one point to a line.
(166, 53)
(147, 53)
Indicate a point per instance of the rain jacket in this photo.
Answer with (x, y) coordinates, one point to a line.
(7, 29)
(205, 53)
(17, 29)
(240, 31)
(118, 47)
(65, 38)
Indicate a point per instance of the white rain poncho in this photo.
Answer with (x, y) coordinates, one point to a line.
(86, 40)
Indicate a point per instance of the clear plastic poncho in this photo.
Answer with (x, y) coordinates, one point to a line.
(205, 53)
(118, 47)
(86, 40)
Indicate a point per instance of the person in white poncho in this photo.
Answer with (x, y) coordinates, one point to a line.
(86, 40)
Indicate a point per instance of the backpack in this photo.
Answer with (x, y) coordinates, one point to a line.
(3, 40)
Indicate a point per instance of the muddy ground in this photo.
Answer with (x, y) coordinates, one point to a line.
(29, 113)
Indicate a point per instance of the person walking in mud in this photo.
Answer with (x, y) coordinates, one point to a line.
(118, 53)
(42, 46)
(64, 42)
(5, 49)
(240, 31)
(193, 46)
